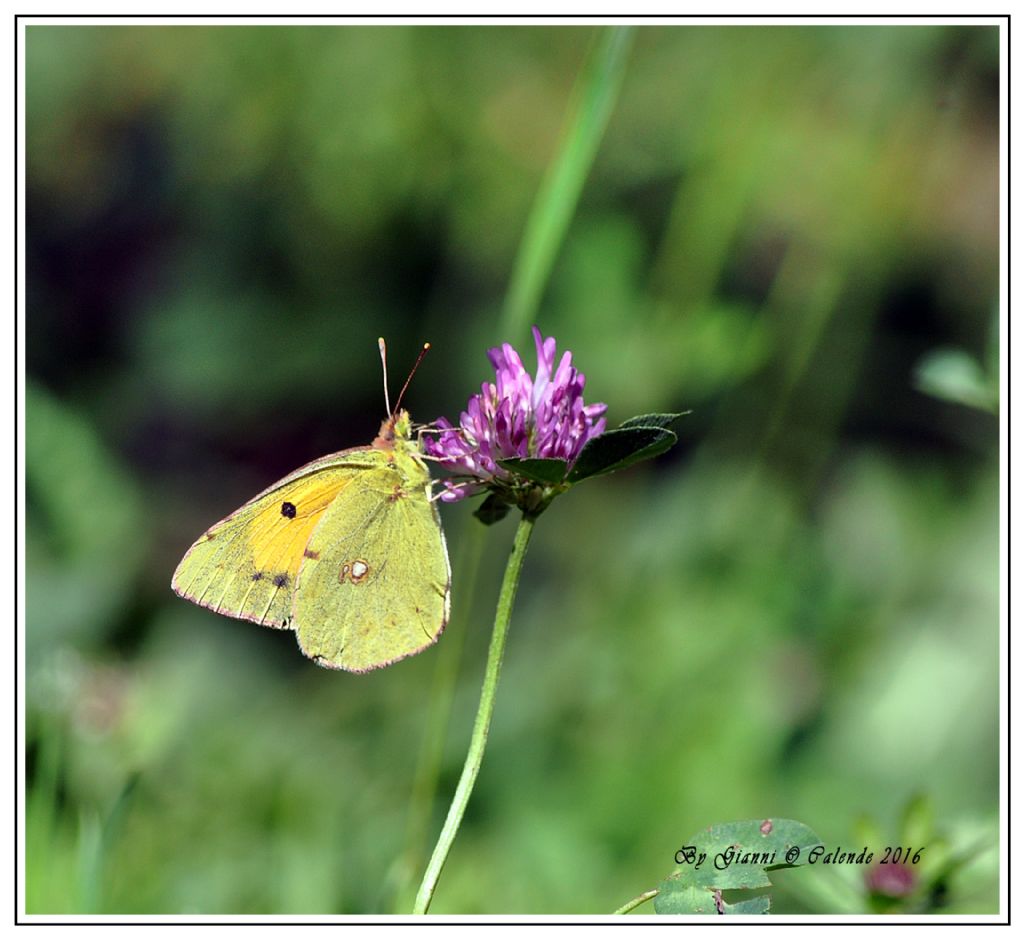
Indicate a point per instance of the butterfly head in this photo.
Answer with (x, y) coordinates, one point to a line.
(397, 427)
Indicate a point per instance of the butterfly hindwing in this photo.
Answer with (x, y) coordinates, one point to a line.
(376, 588)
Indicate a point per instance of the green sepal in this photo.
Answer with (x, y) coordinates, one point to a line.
(492, 509)
(548, 472)
(654, 420)
(619, 448)
(768, 843)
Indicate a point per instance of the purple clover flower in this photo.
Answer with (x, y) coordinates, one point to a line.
(516, 416)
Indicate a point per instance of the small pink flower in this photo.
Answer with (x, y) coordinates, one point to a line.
(890, 880)
(516, 416)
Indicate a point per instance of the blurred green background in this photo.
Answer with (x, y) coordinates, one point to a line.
(791, 230)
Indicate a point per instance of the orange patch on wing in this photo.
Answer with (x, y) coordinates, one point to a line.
(279, 541)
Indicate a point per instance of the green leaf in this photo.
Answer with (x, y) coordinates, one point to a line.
(86, 510)
(680, 897)
(548, 472)
(733, 856)
(654, 420)
(619, 448)
(492, 509)
(689, 900)
(756, 905)
(954, 375)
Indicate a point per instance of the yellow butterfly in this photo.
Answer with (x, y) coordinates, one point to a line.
(347, 551)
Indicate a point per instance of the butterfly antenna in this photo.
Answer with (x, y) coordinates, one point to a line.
(383, 346)
(419, 359)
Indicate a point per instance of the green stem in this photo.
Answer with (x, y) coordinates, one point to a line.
(635, 902)
(593, 99)
(481, 726)
(470, 542)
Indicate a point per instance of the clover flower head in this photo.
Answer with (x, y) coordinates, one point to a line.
(516, 416)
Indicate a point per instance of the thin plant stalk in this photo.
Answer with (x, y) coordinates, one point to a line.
(589, 109)
(442, 696)
(482, 724)
(593, 99)
(635, 902)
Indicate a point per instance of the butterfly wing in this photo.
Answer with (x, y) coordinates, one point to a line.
(246, 565)
(374, 583)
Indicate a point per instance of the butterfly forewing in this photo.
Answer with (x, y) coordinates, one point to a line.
(246, 565)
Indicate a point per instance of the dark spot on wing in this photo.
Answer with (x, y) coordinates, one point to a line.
(288, 510)
(280, 580)
(258, 575)
(310, 553)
